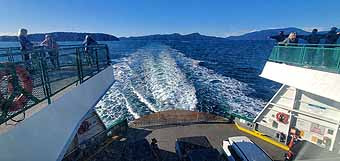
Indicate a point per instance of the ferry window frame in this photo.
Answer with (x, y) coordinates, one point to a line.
(330, 131)
(275, 124)
(319, 141)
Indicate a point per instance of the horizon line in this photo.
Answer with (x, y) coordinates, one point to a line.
(228, 34)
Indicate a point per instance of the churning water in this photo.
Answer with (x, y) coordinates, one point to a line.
(156, 77)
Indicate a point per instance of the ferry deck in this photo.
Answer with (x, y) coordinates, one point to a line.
(52, 96)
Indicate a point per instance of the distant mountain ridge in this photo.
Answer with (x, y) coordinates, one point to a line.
(64, 36)
(256, 35)
(264, 34)
(174, 36)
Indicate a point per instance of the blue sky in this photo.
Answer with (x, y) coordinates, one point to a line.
(143, 17)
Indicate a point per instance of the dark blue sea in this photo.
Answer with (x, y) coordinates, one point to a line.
(219, 77)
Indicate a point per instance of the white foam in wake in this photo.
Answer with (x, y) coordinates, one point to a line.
(158, 78)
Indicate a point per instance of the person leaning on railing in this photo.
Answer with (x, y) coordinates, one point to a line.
(331, 38)
(25, 44)
(88, 42)
(291, 40)
(52, 49)
(280, 37)
(314, 39)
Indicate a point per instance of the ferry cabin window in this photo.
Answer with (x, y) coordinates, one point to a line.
(275, 124)
(320, 141)
(330, 131)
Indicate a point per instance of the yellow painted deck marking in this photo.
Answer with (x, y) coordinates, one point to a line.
(263, 137)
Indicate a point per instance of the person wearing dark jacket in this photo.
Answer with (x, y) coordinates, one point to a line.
(88, 42)
(26, 45)
(155, 149)
(280, 37)
(330, 38)
(52, 46)
(313, 38)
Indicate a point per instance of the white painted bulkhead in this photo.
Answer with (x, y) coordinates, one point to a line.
(320, 83)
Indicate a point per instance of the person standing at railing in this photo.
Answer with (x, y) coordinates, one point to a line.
(280, 37)
(88, 42)
(52, 46)
(331, 38)
(291, 40)
(313, 39)
(25, 44)
(155, 149)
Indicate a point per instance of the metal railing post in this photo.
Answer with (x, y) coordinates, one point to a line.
(277, 52)
(97, 62)
(338, 55)
(274, 56)
(107, 55)
(9, 55)
(304, 49)
(45, 80)
(79, 66)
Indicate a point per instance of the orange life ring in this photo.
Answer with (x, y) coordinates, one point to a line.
(24, 80)
(282, 117)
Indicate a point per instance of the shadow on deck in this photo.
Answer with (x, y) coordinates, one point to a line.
(135, 145)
